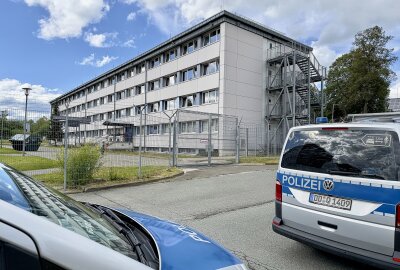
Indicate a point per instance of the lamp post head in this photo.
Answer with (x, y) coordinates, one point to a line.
(26, 87)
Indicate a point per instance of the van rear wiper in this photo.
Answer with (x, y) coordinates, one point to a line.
(359, 174)
(123, 229)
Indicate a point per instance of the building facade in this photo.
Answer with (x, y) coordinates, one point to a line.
(217, 67)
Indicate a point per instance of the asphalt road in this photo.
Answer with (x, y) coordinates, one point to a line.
(231, 204)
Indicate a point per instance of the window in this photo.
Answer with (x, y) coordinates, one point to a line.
(155, 62)
(204, 126)
(89, 105)
(102, 116)
(211, 37)
(189, 47)
(102, 100)
(139, 89)
(171, 55)
(131, 72)
(187, 101)
(188, 127)
(96, 117)
(210, 68)
(83, 106)
(169, 104)
(154, 107)
(110, 115)
(154, 85)
(140, 68)
(110, 98)
(189, 74)
(170, 80)
(120, 95)
(95, 103)
(128, 92)
(15, 257)
(209, 97)
(354, 152)
(153, 129)
(128, 111)
(138, 110)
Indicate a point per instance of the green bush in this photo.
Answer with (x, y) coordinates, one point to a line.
(82, 164)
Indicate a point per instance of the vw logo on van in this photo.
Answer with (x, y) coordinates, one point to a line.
(328, 185)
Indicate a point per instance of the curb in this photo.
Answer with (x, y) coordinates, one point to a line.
(257, 164)
(93, 189)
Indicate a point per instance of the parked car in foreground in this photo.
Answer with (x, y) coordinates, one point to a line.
(43, 229)
(338, 189)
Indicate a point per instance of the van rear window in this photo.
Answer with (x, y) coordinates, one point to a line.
(357, 153)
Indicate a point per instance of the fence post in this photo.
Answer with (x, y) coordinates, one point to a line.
(174, 145)
(66, 149)
(209, 140)
(3, 115)
(237, 141)
(140, 145)
(247, 142)
(255, 148)
(171, 156)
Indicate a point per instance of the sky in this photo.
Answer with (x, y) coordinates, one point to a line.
(55, 45)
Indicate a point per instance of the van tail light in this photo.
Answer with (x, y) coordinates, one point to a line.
(278, 192)
(398, 216)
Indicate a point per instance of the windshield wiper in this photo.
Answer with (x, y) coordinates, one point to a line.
(356, 174)
(123, 229)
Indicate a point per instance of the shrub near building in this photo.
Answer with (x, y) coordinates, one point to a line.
(82, 164)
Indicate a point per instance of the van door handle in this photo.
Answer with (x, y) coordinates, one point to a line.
(332, 227)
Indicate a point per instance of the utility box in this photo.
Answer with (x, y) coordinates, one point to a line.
(32, 142)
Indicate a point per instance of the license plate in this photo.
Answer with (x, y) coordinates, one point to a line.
(331, 201)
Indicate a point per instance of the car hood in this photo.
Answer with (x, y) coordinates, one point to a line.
(181, 247)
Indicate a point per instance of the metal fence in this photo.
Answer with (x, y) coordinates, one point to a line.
(128, 142)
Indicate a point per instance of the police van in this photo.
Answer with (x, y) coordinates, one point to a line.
(338, 189)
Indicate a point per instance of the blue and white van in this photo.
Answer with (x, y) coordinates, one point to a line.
(338, 189)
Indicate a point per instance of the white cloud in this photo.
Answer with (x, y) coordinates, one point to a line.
(91, 61)
(131, 16)
(330, 25)
(67, 18)
(130, 43)
(12, 96)
(101, 40)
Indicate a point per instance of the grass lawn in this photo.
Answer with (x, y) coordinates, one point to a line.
(106, 176)
(263, 160)
(28, 163)
(9, 151)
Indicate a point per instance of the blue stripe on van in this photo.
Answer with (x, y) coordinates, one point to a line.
(385, 194)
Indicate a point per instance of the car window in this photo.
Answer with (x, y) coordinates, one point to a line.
(362, 153)
(15, 258)
(55, 207)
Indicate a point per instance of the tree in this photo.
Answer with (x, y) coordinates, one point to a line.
(358, 82)
(41, 126)
(55, 128)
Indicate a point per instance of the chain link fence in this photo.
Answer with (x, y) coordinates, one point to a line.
(71, 148)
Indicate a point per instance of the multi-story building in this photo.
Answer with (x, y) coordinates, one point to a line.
(218, 66)
(394, 105)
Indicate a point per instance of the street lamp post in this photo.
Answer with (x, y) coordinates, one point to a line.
(26, 89)
(3, 115)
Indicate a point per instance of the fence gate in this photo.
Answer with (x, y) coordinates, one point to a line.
(205, 138)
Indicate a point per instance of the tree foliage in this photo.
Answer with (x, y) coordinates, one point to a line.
(358, 81)
(55, 127)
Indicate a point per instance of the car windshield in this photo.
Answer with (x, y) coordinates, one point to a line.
(349, 152)
(34, 197)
